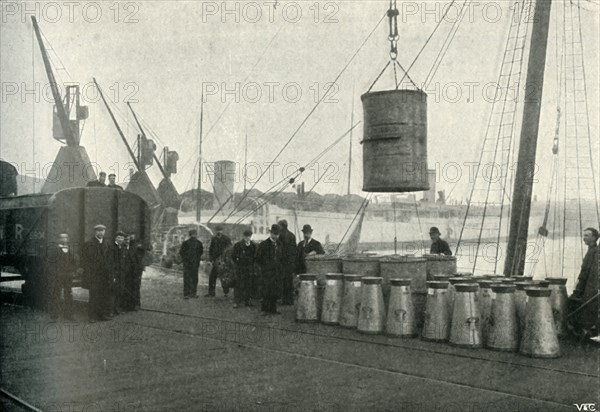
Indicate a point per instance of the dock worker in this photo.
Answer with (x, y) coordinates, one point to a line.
(112, 182)
(438, 245)
(583, 303)
(96, 272)
(269, 258)
(307, 247)
(218, 244)
(139, 256)
(61, 270)
(191, 253)
(244, 256)
(118, 271)
(290, 252)
(100, 182)
(128, 274)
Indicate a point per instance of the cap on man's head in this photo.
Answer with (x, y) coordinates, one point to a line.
(283, 223)
(306, 229)
(102, 174)
(99, 227)
(275, 229)
(193, 232)
(120, 233)
(247, 232)
(219, 228)
(434, 230)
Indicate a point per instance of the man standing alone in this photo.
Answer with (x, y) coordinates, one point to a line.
(307, 247)
(191, 253)
(438, 245)
(269, 258)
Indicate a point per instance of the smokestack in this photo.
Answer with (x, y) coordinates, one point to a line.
(223, 184)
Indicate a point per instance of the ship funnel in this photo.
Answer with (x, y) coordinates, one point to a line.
(224, 178)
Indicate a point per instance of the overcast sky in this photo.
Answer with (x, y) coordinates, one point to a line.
(161, 53)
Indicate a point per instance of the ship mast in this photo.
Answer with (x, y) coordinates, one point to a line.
(523, 187)
(198, 196)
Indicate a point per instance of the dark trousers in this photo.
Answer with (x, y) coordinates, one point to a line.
(100, 301)
(212, 282)
(57, 285)
(269, 304)
(243, 287)
(190, 280)
(287, 295)
(137, 287)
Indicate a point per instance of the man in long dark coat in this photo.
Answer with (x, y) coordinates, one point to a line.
(138, 257)
(62, 267)
(191, 252)
(217, 247)
(288, 240)
(244, 256)
(97, 275)
(269, 258)
(583, 303)
(118, 261)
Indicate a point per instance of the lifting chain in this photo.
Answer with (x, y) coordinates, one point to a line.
(393, 37)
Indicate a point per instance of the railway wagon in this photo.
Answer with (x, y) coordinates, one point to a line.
(30, 224)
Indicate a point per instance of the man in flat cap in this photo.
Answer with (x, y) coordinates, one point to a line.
(95, 262)
(269, 258)
(288, 240)
(438, 245)
(218, 244)
(191, 252)
(307, 247)
(244, 256)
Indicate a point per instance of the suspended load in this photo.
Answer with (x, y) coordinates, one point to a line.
(395, 141)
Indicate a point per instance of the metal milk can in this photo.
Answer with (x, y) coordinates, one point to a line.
(371, 318)
(350, 301)
(401, 315)
(503, 331)
(539, 338)
(558, 303)
(437, 314)
(306, 309)
(332, 298)
(466, 319)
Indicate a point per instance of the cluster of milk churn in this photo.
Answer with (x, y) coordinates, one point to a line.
(498, 313)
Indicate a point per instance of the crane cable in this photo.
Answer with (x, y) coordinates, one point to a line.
(331, 85)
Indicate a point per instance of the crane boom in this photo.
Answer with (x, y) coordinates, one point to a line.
(137, 165)
(60, 108)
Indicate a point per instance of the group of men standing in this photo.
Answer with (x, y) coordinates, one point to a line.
(271, 264)
(112, 271)
(101, 181)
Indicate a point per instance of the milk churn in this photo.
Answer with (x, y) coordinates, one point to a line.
(440, 265)
(503, 331)
(307, 311)
(350, 301)
(400, 316)
(524, 278)
(466, 319)
(437, 314)
(521, 303)
(558, 303)
(451, 288)
(485, 304)
(395, 141)
(332, 299)
(509, 280)
(403, 267)
(539, 338)
(371, 318)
